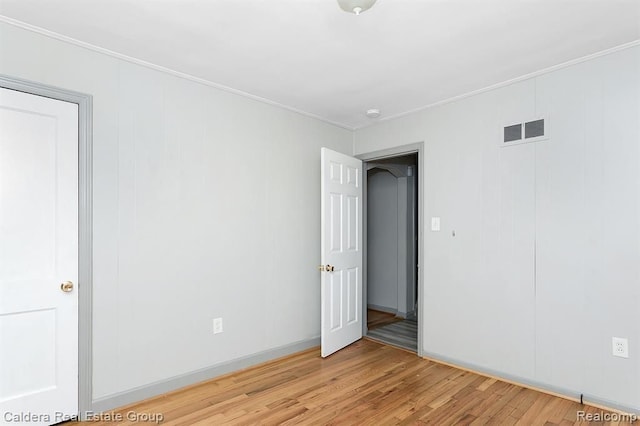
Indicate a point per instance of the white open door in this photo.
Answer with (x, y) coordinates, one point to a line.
(38, 259)
(341, 250)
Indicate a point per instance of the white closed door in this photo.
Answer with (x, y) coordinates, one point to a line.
(341, 251)
(38, 254)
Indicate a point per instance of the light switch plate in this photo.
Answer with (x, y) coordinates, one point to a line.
(435, 223)
(217, 325)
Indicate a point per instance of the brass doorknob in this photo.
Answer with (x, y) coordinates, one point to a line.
(327, 268)
(66, 286)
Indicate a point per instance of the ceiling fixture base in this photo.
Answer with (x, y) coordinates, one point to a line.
(356, 6)
(373, 113)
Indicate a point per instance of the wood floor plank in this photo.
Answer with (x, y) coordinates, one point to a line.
(376, 319)
(366, 383)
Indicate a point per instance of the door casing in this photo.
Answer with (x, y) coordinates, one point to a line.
(85, 224)
(379, 155)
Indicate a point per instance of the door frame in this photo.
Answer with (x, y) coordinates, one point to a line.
(415, 148)
(85, 224)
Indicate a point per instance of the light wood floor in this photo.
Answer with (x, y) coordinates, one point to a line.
(366, 383)
(377, 319)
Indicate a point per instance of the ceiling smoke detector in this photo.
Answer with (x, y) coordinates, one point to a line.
(373, 113)
(356, 6)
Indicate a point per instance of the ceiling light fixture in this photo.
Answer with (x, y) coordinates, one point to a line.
(356, 6)
(373, 113)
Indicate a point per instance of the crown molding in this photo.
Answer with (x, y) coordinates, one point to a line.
(508, 82)
(130, 59)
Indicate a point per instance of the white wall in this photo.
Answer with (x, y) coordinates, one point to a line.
(206, 204)
(411, 251)
(402, 257)
(545, 265)
(382, 241)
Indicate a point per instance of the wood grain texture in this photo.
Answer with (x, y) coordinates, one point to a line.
(376, 319)
(365, 383)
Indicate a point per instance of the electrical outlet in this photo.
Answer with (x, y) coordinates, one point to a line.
(620, 347)
(217, 325)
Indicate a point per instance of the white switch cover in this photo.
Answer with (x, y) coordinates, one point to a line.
(217, 325)
(435, 223)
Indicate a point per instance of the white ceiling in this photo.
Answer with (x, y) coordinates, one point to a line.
(311, 56)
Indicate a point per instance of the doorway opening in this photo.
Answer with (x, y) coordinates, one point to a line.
(392, 230)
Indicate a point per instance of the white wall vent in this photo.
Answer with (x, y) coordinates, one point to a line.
(513, 133)
(534, 129)
(529, 131)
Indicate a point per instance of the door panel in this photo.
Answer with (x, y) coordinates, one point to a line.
(38, 252)
(353, 222)
(341, 211)
(353, 296)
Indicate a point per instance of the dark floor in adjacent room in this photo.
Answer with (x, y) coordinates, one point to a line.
(387, 328)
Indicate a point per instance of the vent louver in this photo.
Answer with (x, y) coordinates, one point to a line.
(530, 131)
(513, 133)
(534, 129)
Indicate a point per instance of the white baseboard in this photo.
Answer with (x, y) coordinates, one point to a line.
(173, 383)
(382, 309)
(587, 399)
